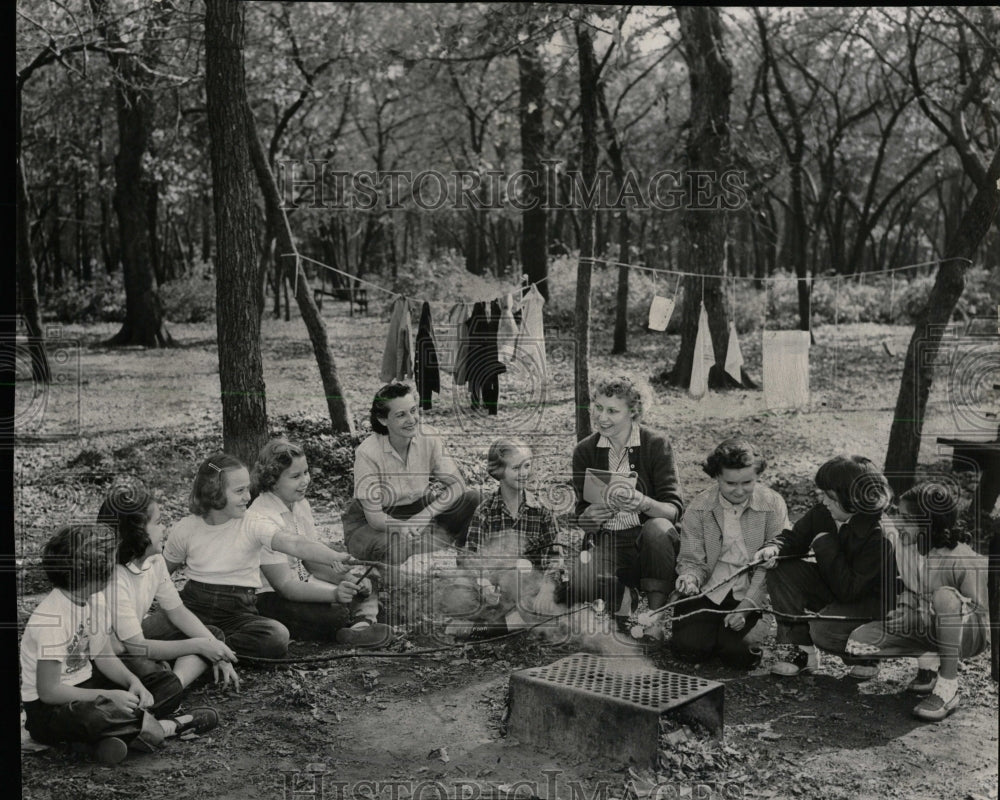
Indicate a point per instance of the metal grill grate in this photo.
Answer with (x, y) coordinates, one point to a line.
(619, 678)
(607, 706)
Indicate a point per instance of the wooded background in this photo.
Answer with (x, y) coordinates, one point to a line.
(868, 140)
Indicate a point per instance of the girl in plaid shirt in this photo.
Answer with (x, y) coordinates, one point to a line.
(511, 534)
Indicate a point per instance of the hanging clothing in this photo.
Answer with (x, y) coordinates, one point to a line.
(660, 311)
(529, 349)
(506, 332)
(446, 338)
(459, 316)
(734, 356)
(786, 369)
(425, 365)
(704, 356)
(482, 363)
(397, 360)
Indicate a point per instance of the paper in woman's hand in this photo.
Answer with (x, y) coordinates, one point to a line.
(601, 487)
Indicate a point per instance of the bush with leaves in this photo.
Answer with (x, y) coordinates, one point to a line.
(191, 298)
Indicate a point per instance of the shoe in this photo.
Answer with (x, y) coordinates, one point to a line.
(863, 672)
(202, 720)
(923, 683)
(748, 659)
(111, 750)
(934, 709)
(798, 665)
(489, 630)
(365, 635)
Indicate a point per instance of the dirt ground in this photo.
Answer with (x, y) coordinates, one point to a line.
(425, 726)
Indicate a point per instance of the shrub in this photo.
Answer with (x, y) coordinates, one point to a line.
(101, 300)
(191, 298)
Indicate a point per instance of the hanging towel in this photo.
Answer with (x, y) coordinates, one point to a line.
(506, 332)
(397, 360)
(786, 369)
(704, 356)
(529, 351)
(660, 311)
(734, 356)
(425, 364)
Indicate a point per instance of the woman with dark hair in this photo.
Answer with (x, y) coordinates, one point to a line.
(407, 489)
(632, 531)
(723, 526)
(942, 614)
(854, 572)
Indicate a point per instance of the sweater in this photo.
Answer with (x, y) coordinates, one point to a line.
(856, 562)
(652, 461)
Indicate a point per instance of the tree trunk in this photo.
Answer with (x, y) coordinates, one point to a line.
(241, 374)
(27, 276)
(922, 353)
(588, 220)
(134, 110)
(534, 220)
(704, 232)
(287, 265)
(617, 156)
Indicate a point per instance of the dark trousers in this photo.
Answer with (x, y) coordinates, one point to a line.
(700, 636)
(638, 558)
(233, 609)
(158, 626)
(796, 586)
(93, 720)
(449, 527)
(315, 622)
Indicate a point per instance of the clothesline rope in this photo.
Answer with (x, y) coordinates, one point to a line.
(765, 279)
(394, 293)
(655, 270)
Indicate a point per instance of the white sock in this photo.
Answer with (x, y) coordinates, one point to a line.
(169, 727)
(946, 688)
(931, 661)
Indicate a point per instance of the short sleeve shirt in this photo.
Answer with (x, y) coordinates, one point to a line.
(268, 515)
(64, 631)
(131, 593)
(383, 478)
(226, 554)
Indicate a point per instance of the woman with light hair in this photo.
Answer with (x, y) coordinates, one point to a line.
(631, 531)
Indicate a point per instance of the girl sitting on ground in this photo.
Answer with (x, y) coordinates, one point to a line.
(146, 643)
(512, 539)
(942, 613)
(854, 572)
(222, 556)
(73, 686)
(722, 527)
(315, 601)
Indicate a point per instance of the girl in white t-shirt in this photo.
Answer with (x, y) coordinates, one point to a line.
(173, 633)
(315, 601)
(222, 556)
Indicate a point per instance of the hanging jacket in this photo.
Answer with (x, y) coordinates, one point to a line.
(425, 364)
(397, 360)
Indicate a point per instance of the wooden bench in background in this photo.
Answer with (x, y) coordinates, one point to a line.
(352, 290)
